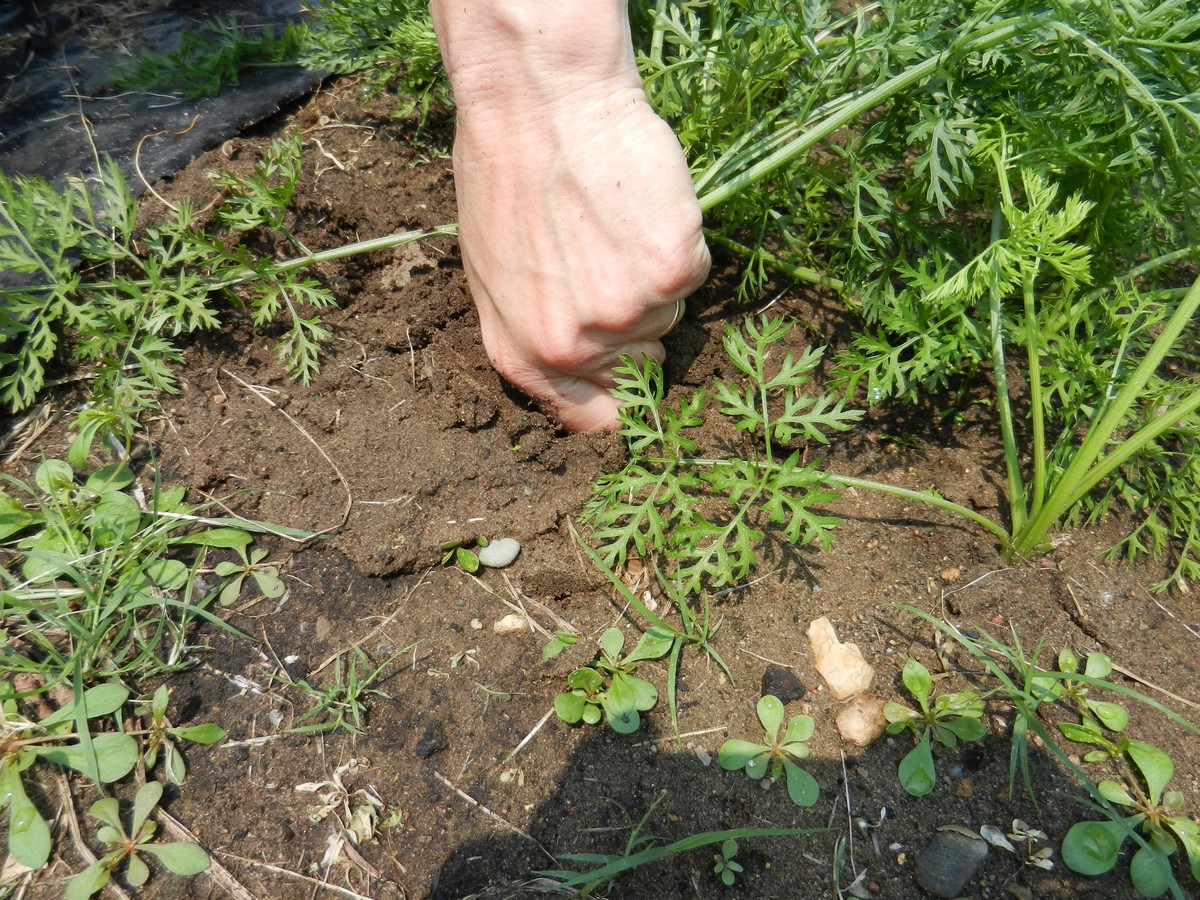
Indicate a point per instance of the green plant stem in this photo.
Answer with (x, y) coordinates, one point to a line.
(1036, 410)
(243, 276)
(795, 139)
(800, 273)
(1017, 508)
(1083, 473)
(849, 481)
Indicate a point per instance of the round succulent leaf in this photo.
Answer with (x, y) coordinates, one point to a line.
(569, 706)
(180, 858)
(965, 728)
(644, 693)
(585, 679)
(1091, 848)
(770, 715)
(116, 755)
(1067, 661)
(1111, 715)
(799, 729)
(467, 561)
(801, 786)
(137, 872)
(107, 834)
(1150, 871)
(54, 475)
(1188, 833)
(13, 516)
(1098, 666)
(114, 519)
(271, 586)
(592, 714)
(112, 476)
(1156, 767)
(168, 574)
(1083, 732)
(144, 803)
(736, 753)
(796, 749)
(917, 774)
(108, 811)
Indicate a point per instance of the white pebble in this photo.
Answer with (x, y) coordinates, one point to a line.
(476, 624)
(511, 624)
(499, 553)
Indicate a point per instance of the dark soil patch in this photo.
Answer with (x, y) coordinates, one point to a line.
(408, 439)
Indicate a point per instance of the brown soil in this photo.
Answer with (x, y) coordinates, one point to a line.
(408, 439)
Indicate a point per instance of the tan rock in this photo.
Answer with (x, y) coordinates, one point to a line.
(861, 721)
(511, 624)
(841, 665)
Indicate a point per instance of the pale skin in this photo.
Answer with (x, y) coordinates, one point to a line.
(579, 225)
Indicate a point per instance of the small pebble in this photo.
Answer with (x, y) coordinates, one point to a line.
(511, 624)
(476, 624)
(499, 553)
(782, 683)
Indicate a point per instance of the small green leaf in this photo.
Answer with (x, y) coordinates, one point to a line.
(1114, 793)
(1098, 666)
(467, 561)
(13, 516)
(180, 858)
(54, 475)
(899, 714)
(1156, 767)
(653, 644)
(158, 703)
(108, 811)
(569, 707)
(116, 755)
(90, 880)
(101, 700)
(271, 586)
(965, 728)
(168, 574)
(611, 642)
(916, 772)
(144, 803)
(114, 519)
(801, 786)
(799, 729)
(916, 678)
(28, 834)
(585, 679)
(1111, 715)
(1091, 848)
(770, 715)
(219, 538)
(592, 714)
(1188, 833)
(736, 754)
(1150, 871)
(208, 733)
(137, 872)
(1067, 661)
(114, 476)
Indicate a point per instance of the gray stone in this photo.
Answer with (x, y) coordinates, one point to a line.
(499, 553)
(950, 860)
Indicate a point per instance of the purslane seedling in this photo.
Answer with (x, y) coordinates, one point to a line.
(164, 738)
(778, 755)
(946, 719)
(609, 688)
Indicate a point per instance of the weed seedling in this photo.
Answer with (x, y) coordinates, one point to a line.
(726, 866)
(266, 577)
(948, 719)
(164, 738)
(1092, 848)
(776, 756)
(341, 705)
(625, 695)
(129, 846)
(463, 553)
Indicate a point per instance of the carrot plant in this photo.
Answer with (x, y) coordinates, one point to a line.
(992, 187)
